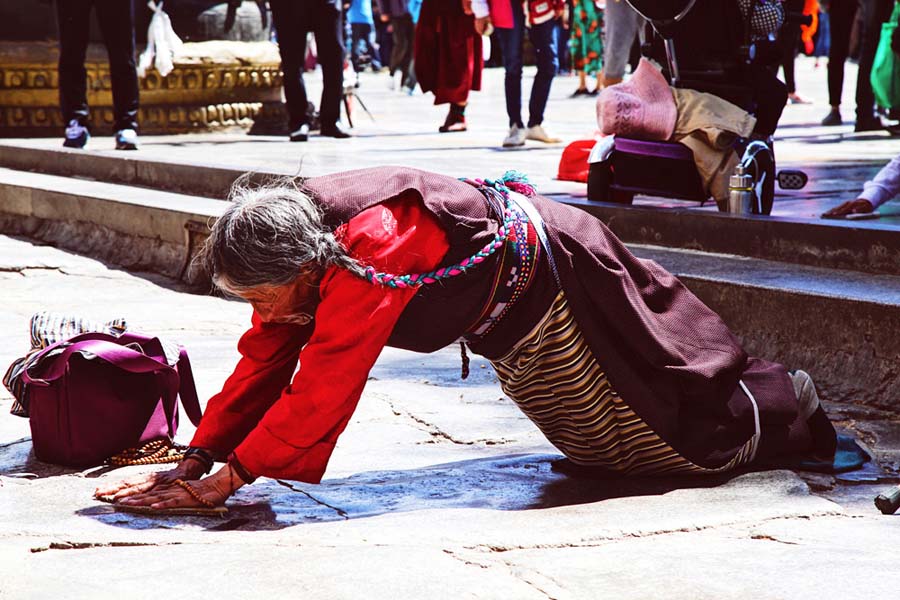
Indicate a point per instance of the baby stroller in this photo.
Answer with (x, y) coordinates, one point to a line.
(715, 54)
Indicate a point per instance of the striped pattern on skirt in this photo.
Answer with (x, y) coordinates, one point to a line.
(553, 377)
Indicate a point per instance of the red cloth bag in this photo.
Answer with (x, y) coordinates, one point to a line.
(573, 165)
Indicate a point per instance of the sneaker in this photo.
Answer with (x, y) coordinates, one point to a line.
(334, 131)
(833, 118)
(537, 133)
(126, 139)
(872, 123)
(396, 82)
(77, 135)
(796, 98)
(301, 134)
(515, 137)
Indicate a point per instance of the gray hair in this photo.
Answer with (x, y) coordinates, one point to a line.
(268, 235)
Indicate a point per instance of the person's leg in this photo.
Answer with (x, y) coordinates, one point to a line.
(874, 13)
(511, 49)
(408, 30)
(372, 48)
(116, 20)
(74, 21)
(621, 27)
(329, 43)
(357, 34)
(841, 16)
(289, 17)
(770, 95)
(399, 49)
(543, 38)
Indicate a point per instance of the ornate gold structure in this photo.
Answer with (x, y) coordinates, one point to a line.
(214, 86)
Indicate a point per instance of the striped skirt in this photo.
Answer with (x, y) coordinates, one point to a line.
(553, 377)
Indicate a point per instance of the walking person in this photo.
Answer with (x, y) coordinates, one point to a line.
(788, 45)
(873, 14)
(448, 58)
(618, 364)
(396, 12)
(116, 19)
(841, 16)
(586, 43)
(510, 22)
(293, 20)
(363, 51)
(621, 25)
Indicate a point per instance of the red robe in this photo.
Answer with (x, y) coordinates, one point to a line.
(278, 427)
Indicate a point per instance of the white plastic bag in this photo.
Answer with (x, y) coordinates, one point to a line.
(162, 43)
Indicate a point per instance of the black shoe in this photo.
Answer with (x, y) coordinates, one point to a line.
(301, 134)
(833, 118)
(894, 130)
(334, 131)
(868, 124)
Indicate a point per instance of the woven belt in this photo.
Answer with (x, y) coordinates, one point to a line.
(513, 276)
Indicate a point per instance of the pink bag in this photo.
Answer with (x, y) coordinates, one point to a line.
(94, 395)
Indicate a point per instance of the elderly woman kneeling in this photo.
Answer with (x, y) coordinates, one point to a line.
(617, 363)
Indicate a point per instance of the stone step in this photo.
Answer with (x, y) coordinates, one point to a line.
(137, 228)
(839, 325)
(869, 247)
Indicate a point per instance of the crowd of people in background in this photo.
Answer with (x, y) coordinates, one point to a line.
(439, 46)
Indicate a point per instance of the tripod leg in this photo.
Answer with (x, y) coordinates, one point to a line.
(361, 103)
(347, 109)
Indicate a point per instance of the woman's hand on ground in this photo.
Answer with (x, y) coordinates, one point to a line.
(860, 205)
(186, 469)
(215, 489)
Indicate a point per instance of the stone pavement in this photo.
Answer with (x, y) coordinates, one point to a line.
(439, 488)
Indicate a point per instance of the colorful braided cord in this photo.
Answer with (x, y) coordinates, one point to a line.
(512, 181)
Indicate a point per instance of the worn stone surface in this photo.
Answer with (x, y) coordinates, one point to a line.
(439, 488)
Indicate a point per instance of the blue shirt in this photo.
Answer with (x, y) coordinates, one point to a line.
(360, 12)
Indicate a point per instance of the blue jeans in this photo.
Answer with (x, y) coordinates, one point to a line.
(543, 38)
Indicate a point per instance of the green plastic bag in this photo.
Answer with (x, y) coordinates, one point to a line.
(886, 68)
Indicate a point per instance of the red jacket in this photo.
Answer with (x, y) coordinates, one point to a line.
(279, 427)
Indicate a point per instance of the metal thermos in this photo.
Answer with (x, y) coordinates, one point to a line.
(740, 191)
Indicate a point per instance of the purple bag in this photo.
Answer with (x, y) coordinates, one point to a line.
(95, 395)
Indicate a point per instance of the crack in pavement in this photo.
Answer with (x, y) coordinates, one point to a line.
(21, 441)
(601, 541)
(87, 545)
(514, 571)
(769, 538)
(434, 431)
(343, 514)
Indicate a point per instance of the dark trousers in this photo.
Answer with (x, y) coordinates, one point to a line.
(116, 18)
(543, 38)
(788, 43)
(293, 19)
(402, 53)
(362, 43)
(841, 15)
(769, 95)
(874, 13)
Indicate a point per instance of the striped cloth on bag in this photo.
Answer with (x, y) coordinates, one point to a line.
(47, 328)
(555, 380)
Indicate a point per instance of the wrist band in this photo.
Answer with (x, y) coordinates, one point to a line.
(243, 473)
(201, 455)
